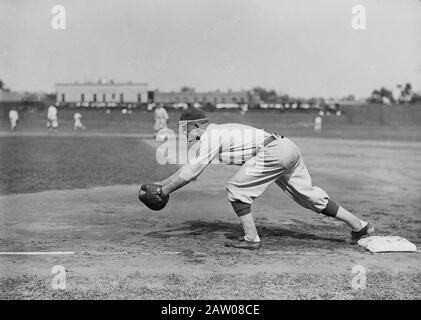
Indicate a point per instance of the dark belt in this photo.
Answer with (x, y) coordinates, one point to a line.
(271, 138)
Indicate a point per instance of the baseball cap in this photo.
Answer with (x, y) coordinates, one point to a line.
(193, 114)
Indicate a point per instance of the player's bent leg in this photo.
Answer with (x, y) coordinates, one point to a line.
(243, 211)
(243, 188)
(251, 239)
(55, 126)
(297, 184)
(13, 124)
(359, 227)
(299, 187)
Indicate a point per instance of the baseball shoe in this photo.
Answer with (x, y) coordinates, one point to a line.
(243, 244)
(364, 232)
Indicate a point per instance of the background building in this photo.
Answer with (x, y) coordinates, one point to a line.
(102, 93)
(191, 96)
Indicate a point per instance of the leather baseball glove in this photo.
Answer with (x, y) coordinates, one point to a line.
(153, 196)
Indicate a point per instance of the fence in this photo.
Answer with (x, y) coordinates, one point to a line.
(383, 114)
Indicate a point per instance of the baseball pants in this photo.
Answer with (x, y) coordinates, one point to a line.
(280, 162)
(52, 123)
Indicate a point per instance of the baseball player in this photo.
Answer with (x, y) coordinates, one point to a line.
(13, 118)
(78, 122)
(263, 158)
(52, 121)
(318, 124)
(161, 119)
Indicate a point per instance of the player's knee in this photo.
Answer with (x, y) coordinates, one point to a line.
(241, 208)
(236, 193)
(331, 209)
(232, 191)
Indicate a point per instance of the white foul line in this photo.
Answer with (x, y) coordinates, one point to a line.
(33, 253)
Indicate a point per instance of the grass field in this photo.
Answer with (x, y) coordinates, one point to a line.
(77, 192)
(31, 164)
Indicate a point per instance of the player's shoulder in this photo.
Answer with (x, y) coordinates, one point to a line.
(226, 130)
(234, 126)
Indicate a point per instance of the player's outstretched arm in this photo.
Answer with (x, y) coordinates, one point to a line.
(169, 179)
(191, 170)
(176, 183)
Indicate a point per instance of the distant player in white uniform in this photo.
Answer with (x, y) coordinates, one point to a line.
(263, 158)
(161, 120)
(52, 119)
(13, 118)
(318, 123)
(78, 122)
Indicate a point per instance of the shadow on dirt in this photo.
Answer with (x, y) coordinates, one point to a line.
(233, 231)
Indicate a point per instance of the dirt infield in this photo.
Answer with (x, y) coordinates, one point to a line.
(125, 251)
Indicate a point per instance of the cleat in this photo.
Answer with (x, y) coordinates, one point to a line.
(364, 232)
(243, 244)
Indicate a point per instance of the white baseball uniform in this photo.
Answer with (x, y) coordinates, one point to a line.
(13, 117)
(78, 121)
(52, 121)
(161, 118)
(318, 124)
(279, 161)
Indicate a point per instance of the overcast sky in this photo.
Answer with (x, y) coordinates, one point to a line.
(301, 47)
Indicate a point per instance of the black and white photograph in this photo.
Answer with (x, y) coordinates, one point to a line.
(228, 151)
